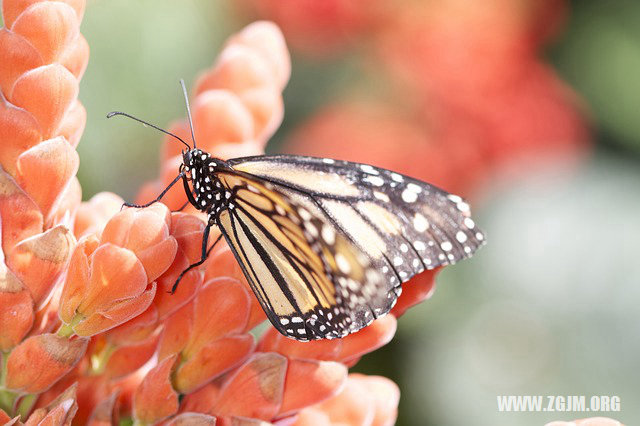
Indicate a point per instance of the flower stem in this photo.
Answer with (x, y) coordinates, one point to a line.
(26, 405)
(7, 401)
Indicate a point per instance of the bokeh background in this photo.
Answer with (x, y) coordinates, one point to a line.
(530, 108)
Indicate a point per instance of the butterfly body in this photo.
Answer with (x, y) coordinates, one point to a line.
(324, 244)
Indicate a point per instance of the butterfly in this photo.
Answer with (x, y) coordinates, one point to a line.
(324, 244)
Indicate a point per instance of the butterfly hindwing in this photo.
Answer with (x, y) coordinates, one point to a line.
(310, 279)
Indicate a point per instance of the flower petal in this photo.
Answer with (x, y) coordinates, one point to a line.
(202, 400)
(19, 130)
(267, 108)
(21, 217)
(370, 338)
(77, 280)
(76, 57)
(385, 395)
(211, 361)
(116, 274)
(39, 260)
(221, 118)
(353, 405)
(176, 331)
(155, 398)
(414, 291)
(59, 412)
(168, 303)
(47, 92)
(266, 39)
(158, 258)
(18, 56)
(49, 27)
(118, 313)
(310, 382)
(127, 359)
(73, 123)
(135, 330)
(105, 413)
(40, 361)
(192, 419)
(16, 310)
(94, 214)
(229, 316)
(273, 341)
(44, 170)
(260, 382)
(222, 262)
(11, 9)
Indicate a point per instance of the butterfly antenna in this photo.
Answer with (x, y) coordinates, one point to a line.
(186, 101)
(113, 113)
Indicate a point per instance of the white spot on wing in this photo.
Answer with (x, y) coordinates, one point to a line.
(397, 177)
(381, 196)
(343, 263)
(328, 234)
(368, 169)
(409, 196)
(420, 223)
(374, 180)
(415, 188)
(304, 214)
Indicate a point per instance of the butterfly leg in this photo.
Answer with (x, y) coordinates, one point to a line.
(204, 256)
(181, 208)
(164, 191)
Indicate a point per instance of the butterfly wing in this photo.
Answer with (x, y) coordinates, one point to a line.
(402, 225)
(311, 281)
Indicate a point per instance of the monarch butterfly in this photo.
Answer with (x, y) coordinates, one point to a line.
(324, 244)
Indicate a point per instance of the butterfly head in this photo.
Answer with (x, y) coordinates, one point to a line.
(195, 162)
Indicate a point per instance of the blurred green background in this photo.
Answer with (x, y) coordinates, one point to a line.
(549, 306)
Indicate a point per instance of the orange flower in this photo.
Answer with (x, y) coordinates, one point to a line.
(110, 280)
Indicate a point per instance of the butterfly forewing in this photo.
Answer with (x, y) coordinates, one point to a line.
(311, 281)
(401, 224)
